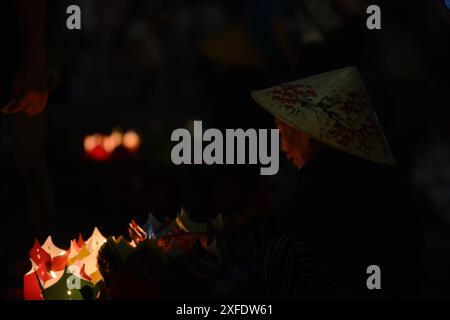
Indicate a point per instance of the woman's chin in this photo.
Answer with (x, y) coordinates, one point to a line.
(298, 163)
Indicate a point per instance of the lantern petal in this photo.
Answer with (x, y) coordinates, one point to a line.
(95, 241)
(38, 255)
(31, 287)
(51, 248)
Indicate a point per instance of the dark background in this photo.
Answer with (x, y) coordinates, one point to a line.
(140, 65)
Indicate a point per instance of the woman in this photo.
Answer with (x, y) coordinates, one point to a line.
(348, 204)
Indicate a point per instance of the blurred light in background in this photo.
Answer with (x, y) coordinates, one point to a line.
(100, 147)
(131, 141)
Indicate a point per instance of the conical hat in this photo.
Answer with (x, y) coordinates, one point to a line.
(334, 109)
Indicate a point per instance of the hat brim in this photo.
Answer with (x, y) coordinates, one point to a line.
(358, 134)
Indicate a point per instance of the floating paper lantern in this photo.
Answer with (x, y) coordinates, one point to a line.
(31, 288)
(58, 256)
(73, 274)
(52, 268)
(179, 235)
(66, 288)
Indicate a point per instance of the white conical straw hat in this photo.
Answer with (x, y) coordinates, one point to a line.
(334, 109)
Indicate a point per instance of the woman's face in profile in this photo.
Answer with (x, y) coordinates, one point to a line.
(298, 146)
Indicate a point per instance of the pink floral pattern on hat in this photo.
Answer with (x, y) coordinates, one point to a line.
(340, 116)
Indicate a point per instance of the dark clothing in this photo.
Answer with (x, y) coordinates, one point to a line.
(358, 214)
(27, 133)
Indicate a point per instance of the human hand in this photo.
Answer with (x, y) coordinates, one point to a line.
(29, 92)
(136, 232)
